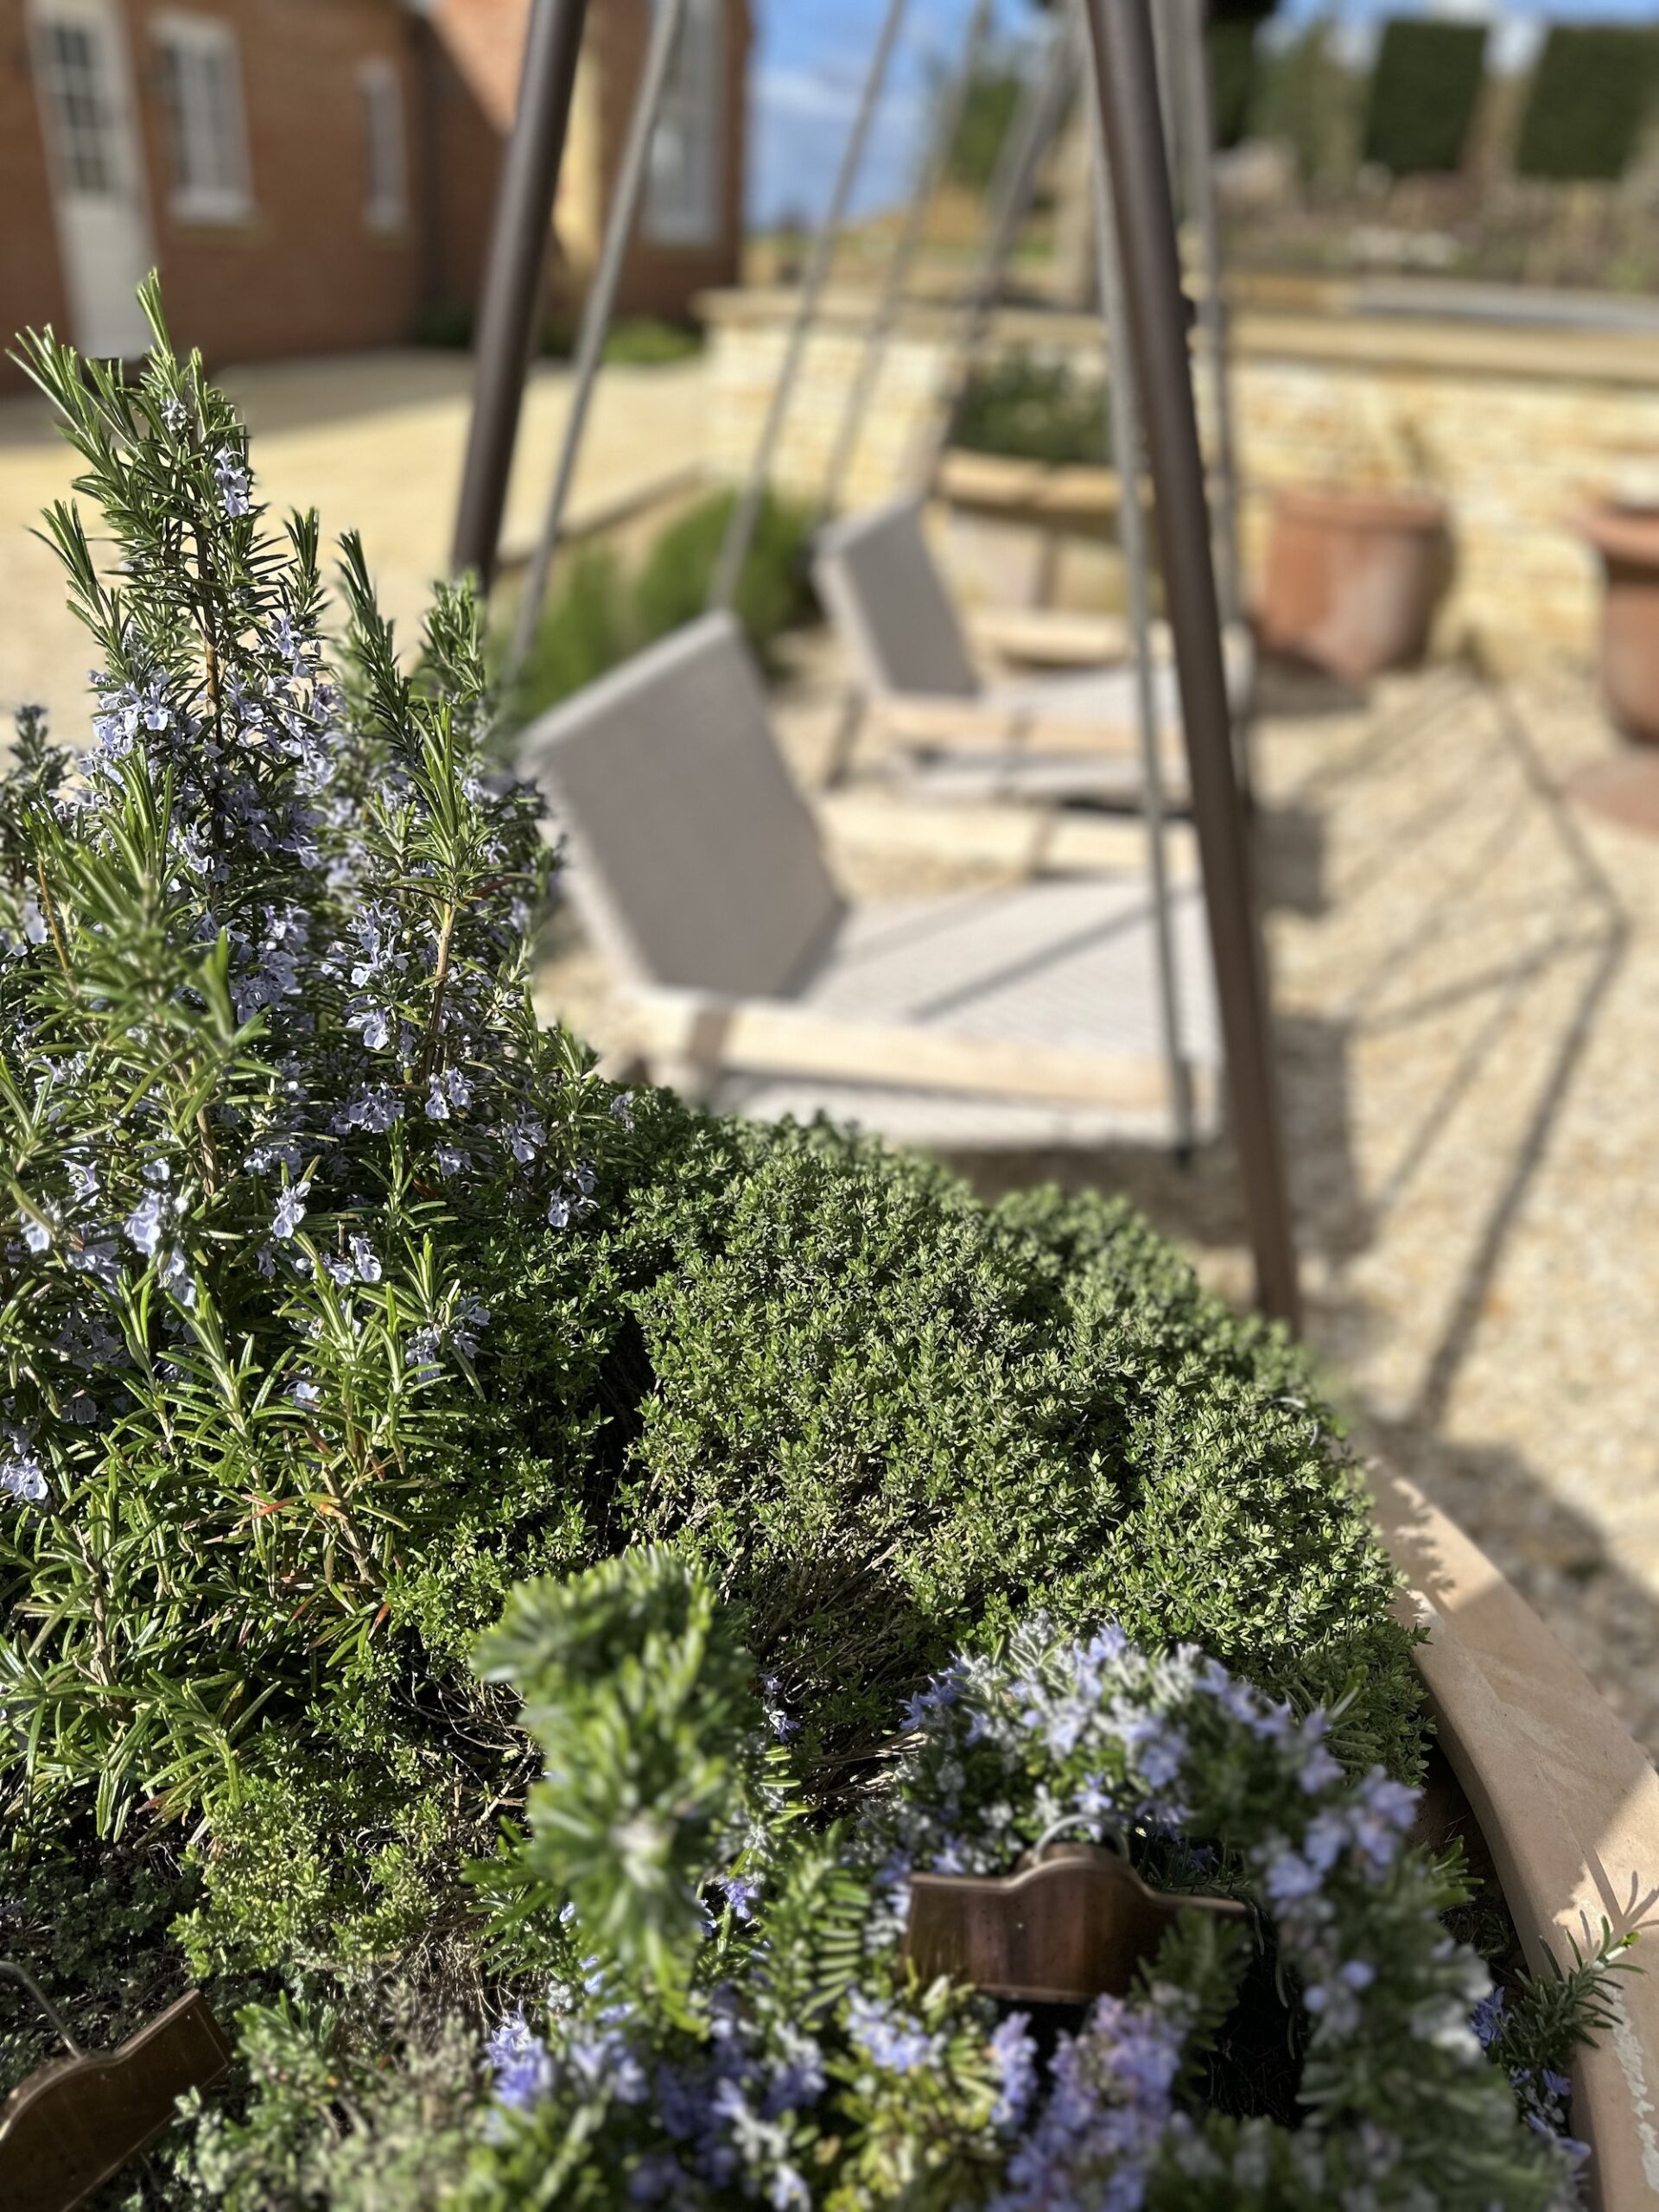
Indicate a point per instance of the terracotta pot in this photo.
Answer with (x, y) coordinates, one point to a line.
(1627, 538)
(1566, 1802)
(1353, 578)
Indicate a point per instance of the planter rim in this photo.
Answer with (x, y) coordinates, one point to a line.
(1622, 530)
(1567, 1801)
(1362, 509)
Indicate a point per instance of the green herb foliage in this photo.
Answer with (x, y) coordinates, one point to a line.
(766, 2041)
(599, 613)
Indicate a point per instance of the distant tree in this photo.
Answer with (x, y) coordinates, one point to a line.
(988, 109)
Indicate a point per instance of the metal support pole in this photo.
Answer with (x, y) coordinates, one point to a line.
(1031, 133)
(1124, 415)
(506, 328)
(739, 529)
(928, 177)
(596, 314)
(1125, 82)
(1197, 103)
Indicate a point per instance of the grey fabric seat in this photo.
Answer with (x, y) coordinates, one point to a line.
(1009, 1018)
(883, 590)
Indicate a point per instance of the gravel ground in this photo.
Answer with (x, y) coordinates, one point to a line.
(1466, 986)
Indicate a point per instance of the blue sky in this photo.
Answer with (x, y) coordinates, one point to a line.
(811, 56)
(807, 69)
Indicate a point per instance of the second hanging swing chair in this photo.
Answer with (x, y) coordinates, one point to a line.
(1088, 727)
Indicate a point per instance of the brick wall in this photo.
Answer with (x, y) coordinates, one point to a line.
(482, 42)
(306, 272)
(658, 278)
(31, 286)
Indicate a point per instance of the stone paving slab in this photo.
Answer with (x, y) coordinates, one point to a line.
(375, 441)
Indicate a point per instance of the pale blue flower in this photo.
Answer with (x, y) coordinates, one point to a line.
(1014, 2054)
(24, 1477)
(232, 478)
(146, 1224)
(291, 1210)
(889, 2037)
(524, 2071)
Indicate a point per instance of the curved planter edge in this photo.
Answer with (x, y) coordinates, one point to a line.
(1566, 1799)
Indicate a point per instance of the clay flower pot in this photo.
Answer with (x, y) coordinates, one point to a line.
(1353, 578)
(1565, 1799)
(1627, 538)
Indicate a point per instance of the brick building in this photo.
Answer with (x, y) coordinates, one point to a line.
(317, 176)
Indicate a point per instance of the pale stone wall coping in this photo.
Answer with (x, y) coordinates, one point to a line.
(1438, 345)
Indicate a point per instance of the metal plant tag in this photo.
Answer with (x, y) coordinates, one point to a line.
(75, 2122)
(1072, 1926)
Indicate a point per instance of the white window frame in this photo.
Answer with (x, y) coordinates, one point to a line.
(380, 106)
(685, 209)
(227, 196)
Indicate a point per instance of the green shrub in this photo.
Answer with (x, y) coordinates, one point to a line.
(1032, 410)
(774, 591)
(446, 326)
(646, 341)
(988, 108)
(1308, 99)
(1592, 95)
(1425, 89)
(598, 615)
(589, 627)
(862, 1380)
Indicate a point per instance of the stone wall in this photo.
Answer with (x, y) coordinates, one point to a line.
(1516, 427)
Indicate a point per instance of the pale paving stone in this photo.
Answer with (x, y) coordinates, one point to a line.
(375, 441)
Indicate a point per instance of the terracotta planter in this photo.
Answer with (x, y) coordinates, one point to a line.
(1568, 1803)
(1353, 578)
(1627, 538)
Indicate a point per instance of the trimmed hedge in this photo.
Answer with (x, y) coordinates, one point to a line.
(1592, 95)
(1424, 92)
